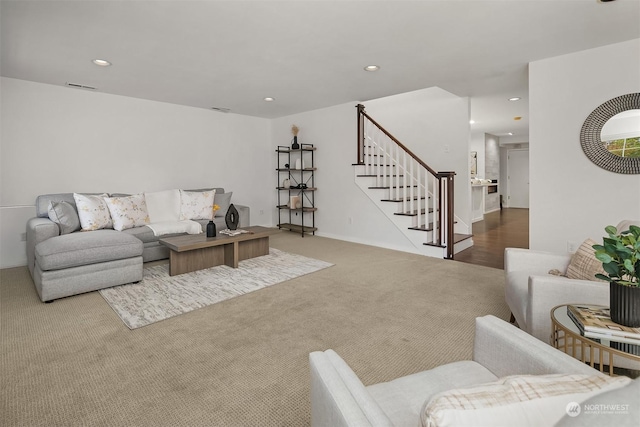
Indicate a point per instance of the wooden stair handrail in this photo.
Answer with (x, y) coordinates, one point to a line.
(400, 144)
(446, 179)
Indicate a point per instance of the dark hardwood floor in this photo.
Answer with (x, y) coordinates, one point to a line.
(507, 228)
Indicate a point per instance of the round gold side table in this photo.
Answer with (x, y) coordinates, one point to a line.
(566, 337)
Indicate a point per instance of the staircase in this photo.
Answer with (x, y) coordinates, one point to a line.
(417, 199)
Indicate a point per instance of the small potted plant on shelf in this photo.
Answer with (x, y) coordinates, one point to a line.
(620, 257)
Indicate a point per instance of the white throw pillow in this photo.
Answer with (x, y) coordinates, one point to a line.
(519, 400)
(163, 206)
(128, 212)
(93, 211)
(196, 204)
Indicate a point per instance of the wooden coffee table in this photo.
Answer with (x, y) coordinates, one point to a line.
(197, 251)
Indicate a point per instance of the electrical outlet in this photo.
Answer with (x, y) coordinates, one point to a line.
(572, 247)
(23, 237)
(261, 212)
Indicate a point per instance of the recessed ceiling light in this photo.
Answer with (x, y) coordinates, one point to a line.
(510, 133)
(515, 98)
(517, 118)
(371, 68)
(269, 99)
(101, 62)
(471, 122)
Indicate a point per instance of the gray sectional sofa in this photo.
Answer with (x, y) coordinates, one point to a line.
(67, 264)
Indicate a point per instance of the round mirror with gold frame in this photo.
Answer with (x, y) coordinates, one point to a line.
(607, 153)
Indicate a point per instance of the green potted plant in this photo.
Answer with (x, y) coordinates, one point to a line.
(620, 257)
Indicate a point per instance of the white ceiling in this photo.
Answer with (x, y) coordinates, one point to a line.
(306, 54)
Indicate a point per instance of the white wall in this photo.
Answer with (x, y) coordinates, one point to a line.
(56, 139)
(424, 120)
(572, 198)
(333, 132)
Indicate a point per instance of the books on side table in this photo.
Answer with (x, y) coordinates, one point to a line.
(594, 321)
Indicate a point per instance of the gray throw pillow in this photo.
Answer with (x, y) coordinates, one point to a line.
(65, 215)
(223, 200)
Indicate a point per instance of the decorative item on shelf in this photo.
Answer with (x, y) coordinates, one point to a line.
(286, 183)
(620, 257)
(211, 229)
(232, 218)
(294, 131)
(286, 165)
(295, 202)
(299, 164)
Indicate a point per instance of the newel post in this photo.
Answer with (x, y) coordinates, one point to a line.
(447, 210)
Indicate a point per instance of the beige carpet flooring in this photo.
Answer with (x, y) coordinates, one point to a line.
(241, 362)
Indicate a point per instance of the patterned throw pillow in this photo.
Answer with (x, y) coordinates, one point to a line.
(65, 215)
(196, 204)
(584, 265)
(93, 212)
(519, 400)
(128, 212)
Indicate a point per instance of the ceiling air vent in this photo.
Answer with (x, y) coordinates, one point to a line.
(79, 86)
(220, 109)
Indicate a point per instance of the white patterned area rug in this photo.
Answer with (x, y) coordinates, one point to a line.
(160, 296)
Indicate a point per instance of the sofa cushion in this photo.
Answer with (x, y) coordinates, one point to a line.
(93, 211)
(584, 265)
(163, 206)
(196, 204)
(402, 399)
(128, 212)
(224, 201)
(523, 400)
(75, 249)
(145, 234)
(64, 214)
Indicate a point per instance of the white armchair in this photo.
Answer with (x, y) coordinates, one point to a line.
(531, 292)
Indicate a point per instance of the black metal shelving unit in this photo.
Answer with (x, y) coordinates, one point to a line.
(300, 219)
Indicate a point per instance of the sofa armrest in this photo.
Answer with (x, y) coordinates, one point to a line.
(338, 397)
(38, 230)
(506, 350)
(516, 259)
(244, 215)
(548, 291)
